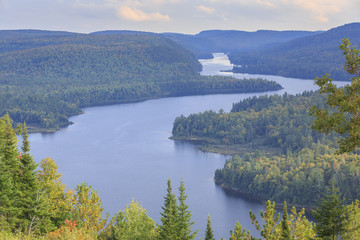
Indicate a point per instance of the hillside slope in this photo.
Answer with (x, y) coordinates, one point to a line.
(45, 77)
(306, 57)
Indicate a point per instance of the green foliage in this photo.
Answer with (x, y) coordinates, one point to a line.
(240, 233)
(344, 117)
(45, 78)
(352, 224)
(169, 229)
(276, 123)
(131, 224)
(285, 233)
(209, 235)
(330, 215)
(185, 222)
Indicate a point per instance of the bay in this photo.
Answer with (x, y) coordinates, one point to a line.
(124, 152)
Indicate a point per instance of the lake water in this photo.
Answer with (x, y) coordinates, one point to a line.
(124, 152)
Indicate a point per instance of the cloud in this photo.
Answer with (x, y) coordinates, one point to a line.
(206, 9)
(137, 15)
(320, 9)
(266, 3)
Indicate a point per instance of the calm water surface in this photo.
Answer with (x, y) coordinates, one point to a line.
(124, 152)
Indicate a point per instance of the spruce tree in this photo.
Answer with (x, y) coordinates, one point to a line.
(185, 222)
(9, 175)
(330, 215)
(285, 233)
(29, 187)
(209, 235)
(169, 217)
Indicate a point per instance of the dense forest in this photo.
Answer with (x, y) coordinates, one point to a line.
(282, 158)
(45, 77)
(305, 57)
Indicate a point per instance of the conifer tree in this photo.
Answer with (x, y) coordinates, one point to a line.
(209, 235)
(169, 217)
(330, 215)
(185, 222)
(285, 233)
(240, 233)
(28, 186)
(10, 170)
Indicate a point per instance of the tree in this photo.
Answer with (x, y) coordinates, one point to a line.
(29, 186)
(352, 222)
(10, 195)
(209, 235)
(132, 224)
(344, 117)
(270, 230)
(285, 233)
(169, 217)
(330, 215)
(240, 233)
(88, 209)
(185, 222)
(56, 199)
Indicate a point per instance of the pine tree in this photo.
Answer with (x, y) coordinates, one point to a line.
(285, 233)
(209, 235)
(330, 215)
(169, 217)
(185, 222)
(240, 233)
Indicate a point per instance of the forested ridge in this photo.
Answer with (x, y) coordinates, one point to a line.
(305, 57)
(282, 158)
(45, 77)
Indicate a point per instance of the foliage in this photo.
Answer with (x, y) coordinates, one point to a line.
(132, 223)
(240, 233)
(279, 123)
(87, 209)
(352, 223)
(285, 233)
(345, 115)
(45, 77)
(330, 215)
(209, 235)
(185, 222)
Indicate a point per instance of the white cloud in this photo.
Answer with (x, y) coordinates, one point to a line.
(206, 9)
(134, 14)
(266, 3)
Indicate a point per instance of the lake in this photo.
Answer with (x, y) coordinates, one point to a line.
(124, 152)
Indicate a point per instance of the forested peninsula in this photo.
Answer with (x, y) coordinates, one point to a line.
(45, 76)
(277, 155)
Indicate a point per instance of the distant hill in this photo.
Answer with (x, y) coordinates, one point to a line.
(207, 42)
(45, 76)
(305, 57)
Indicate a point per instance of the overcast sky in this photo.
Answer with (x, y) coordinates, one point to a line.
(184, 16)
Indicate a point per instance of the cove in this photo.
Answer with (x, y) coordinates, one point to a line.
(124, 152)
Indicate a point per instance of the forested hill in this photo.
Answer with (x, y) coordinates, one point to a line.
(45, 76)
(207, 42)
(306, 57)
(280, 156)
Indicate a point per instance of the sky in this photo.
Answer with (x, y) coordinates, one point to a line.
(181, 16)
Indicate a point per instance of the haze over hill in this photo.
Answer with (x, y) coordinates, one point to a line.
(306, 57)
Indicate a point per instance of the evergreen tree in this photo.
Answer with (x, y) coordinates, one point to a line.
(10, 194)
(209, 235)
(169, 217)
(240, 233)
(185, 222)
(330, 215)
(28, 186)
(285, 233)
